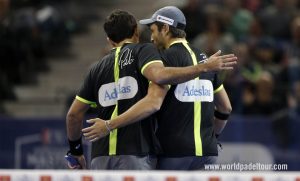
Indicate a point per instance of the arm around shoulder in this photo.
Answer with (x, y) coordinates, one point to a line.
(150, 104)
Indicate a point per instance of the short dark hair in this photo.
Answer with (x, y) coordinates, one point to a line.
(119, 25)
(175, 32)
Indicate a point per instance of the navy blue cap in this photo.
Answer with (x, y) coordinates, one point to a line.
(170, 15)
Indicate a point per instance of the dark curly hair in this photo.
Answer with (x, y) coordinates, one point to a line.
(120, 25)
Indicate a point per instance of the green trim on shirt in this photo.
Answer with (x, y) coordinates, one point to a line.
(219, 89)
(197, 111)
(113, 136)
(92, 104)
(146, 65)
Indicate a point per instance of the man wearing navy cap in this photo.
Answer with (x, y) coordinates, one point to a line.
(168, 15)
(194, 113)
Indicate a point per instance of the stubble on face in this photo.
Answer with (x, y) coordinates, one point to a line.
(157, 37)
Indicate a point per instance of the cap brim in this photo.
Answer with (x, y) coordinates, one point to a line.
(146, 21)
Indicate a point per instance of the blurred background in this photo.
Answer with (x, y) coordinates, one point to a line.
(46, 48)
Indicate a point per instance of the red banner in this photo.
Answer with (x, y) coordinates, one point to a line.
(4, 178)
(87, 178)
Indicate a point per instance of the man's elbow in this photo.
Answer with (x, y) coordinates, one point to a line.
(71, 116)
(228, 109)
(225, 109)
(161, 77)
(156, 104)
(157, 107)
(157, 74)
(159, 80)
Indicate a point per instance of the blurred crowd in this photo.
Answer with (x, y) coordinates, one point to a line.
(265, 36)
(30, 32)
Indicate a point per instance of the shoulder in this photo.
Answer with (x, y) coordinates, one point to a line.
(143, 48)
(140, 45)
(104, 63)
(173, 51)
(146, 46)
(199, 54)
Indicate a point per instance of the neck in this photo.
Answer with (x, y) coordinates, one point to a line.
(127, 40)
(175, 40)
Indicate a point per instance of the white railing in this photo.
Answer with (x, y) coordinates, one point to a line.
(96, 175)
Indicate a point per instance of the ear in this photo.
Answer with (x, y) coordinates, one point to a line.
(166, 29)
(112, 43)
(136, 34)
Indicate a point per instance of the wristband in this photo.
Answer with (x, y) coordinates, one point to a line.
(221, 116)
(76, 147)
(107, 126)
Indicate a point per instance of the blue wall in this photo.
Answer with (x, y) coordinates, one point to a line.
(43, 142)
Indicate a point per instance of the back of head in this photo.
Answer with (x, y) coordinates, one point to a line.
(120, 25)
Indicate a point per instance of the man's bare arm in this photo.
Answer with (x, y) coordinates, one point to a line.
(159, 74)
(142, 109)
(223, 106)
(75, 118)
(74, 122)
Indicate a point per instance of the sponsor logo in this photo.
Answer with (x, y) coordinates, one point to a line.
(126, 58)
(203, 58)
(87, 178)
(119, 90)
(45, 178)
(195, 90)
(110, 93)
(192, 91)
(4, 178)
(128, 178)
(164, 19)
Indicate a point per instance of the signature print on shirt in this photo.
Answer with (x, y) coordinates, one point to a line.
(126, 58)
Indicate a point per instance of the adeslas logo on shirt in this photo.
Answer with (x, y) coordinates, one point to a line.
(199, 91)
(116, 91)
(195, 90)
(110, 93)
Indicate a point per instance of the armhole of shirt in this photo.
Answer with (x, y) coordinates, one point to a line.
(219, 89)
(147, 64)
(92, 104)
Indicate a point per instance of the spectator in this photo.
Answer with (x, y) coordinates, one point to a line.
(252, 5)
(214, 37)
(238, 19)
(195, 18)
(240, 82)
(276, 17)
(265, 102)
(294, 98)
